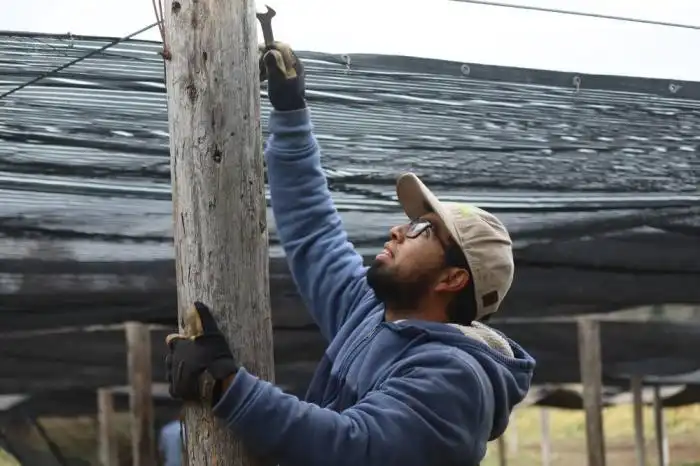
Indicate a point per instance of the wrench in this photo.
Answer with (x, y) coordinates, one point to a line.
(266, 23)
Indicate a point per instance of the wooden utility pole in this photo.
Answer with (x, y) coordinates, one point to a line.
(138, 340)
(220, 221)
(591, 378)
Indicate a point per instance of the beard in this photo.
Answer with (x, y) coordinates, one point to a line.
(398, 294)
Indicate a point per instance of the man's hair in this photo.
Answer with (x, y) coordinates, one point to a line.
(462, 308)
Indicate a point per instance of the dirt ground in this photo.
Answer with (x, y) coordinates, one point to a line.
(77, 439)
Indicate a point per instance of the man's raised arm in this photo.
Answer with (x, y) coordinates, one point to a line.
(325, 266)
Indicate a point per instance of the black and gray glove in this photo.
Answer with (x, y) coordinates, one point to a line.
(284, 73)
(189, 357)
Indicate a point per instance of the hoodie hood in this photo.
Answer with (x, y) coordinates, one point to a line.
(507, 365)
(488, 336)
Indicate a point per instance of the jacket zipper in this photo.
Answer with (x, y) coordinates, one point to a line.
(352, 354)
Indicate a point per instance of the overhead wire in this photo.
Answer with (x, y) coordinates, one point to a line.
(61, 50)
(158, 9)
(77, 60)
(580, 13)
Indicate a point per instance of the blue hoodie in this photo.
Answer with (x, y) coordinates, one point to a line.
(385, 393)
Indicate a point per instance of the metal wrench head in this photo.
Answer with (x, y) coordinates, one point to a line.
(265, 20)
(267, 16)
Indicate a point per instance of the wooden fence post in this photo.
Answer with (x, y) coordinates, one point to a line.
(138, 338)
(638, 410)
(662, 450)
(108, 451)
(591, 378)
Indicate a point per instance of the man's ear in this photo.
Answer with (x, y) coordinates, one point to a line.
(453, 279)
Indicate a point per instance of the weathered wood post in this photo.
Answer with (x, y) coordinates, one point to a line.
(591, 377)
(219, 208)
(143, 444)
(636, 386)
(107, 433)
(662, 450)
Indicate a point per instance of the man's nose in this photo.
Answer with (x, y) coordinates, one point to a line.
(397, 233)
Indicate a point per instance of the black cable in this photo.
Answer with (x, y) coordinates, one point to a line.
(53, 447)
(8, 446)
(79, 59)
(581, 13)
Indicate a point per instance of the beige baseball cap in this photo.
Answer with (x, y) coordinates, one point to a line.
(483, 238)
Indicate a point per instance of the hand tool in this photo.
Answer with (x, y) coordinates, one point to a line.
(266, 23)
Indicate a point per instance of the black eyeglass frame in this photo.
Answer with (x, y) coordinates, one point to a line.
(453, 253)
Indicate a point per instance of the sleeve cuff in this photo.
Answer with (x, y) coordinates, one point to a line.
(240, 394)
(292, 122)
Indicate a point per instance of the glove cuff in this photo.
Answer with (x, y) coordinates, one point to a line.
(222, 368)
(288, 103)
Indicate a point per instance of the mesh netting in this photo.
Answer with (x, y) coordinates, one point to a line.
(598, 186)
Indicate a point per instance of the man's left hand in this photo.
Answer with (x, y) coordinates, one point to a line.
(189, 356)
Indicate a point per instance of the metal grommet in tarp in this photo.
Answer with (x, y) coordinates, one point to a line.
(576, 81)
(465, 69)
(347, 61)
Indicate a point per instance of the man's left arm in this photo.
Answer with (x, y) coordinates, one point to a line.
(433, 407)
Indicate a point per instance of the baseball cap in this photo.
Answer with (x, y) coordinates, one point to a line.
(483, 239)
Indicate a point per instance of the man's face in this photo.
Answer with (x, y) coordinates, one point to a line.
(412, 264)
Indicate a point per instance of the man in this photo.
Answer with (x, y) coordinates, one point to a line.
(410, 377)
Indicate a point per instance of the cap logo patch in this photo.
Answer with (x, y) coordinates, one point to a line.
(489, 299)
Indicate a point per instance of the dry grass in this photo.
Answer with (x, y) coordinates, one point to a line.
(77, 437)
(567, 434)
(6, 459)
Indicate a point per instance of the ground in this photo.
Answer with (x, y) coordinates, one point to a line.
(568, 437)
(77, 437)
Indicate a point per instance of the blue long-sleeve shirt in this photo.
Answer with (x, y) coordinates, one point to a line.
(170, 444)
(406, 393)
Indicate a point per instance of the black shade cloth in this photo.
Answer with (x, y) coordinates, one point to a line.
(66, 293)
(598, 186)
(628, 348)
(568, 398)
(36, 362)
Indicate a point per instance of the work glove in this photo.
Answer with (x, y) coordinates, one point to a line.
(190, 355)
(284, 73)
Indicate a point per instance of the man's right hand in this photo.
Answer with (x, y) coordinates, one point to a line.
(285, 75)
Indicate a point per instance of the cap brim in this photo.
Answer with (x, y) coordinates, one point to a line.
(417, 200)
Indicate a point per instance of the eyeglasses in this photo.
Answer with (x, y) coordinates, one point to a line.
(454, 256)
(417, 227)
